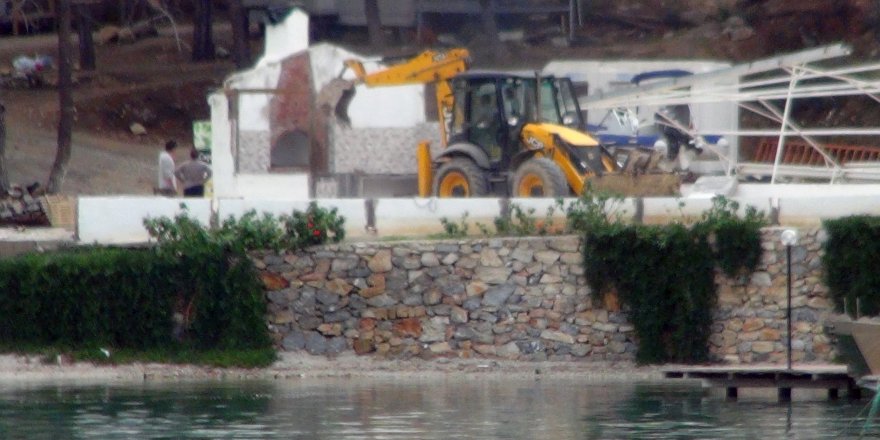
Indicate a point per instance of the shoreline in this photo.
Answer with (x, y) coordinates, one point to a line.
(17, 369)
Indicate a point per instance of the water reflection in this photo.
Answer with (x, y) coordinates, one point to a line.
(438, 409)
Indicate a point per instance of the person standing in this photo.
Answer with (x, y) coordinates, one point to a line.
(193, 174)
(167, 184)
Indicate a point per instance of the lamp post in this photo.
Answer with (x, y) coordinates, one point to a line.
(789, 238)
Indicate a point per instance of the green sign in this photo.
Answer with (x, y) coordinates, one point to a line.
(202, 136)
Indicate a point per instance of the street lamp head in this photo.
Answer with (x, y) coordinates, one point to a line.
(789, 237)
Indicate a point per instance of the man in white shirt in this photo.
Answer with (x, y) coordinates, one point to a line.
(167, 183)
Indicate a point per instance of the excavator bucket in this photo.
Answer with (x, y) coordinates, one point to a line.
(639, 176)
(336, 96)
(638, 185)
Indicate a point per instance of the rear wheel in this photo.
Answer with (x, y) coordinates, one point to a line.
(460, 177)
(539, 177)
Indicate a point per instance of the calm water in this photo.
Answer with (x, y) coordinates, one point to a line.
(381, 409)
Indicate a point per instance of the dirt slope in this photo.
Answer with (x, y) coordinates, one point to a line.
(148, 82)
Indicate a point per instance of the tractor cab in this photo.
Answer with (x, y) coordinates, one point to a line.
(517, 135)
(490, 110)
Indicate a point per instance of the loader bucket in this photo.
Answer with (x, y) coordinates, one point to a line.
(637, 185)
(335, 97)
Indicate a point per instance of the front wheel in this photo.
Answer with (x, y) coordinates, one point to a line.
(539, 177)
(460, 177)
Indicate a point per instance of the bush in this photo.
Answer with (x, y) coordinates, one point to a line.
(735, 240)
(197, 289)
(300, 229)
(222, 304)
(850, 259)
(520, 222)
(314, 226)
(108, 297)
(664, 275)
(516, 221)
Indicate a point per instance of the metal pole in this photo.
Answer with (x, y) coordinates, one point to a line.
(788, 264)
(786, 114)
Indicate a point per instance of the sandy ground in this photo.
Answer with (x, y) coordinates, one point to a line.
(106, 157)
(21, 369)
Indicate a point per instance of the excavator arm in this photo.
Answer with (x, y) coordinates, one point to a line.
(426, 67)
(430, 66)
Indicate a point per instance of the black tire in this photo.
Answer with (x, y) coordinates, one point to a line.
(539, 177)
(460, 177)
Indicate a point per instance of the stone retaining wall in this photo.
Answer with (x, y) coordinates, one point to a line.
(750, 320)
(517, 298)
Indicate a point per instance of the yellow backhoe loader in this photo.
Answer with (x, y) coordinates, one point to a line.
(509, 134)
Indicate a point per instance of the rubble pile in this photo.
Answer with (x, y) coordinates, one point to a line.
(24, 206)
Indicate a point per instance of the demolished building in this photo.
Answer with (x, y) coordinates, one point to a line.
(275, 133)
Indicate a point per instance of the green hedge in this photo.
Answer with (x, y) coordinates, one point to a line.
(852, 253)
(126, 298)
(665, 275)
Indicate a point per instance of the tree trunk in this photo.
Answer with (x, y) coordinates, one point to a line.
(490, 27)
(125, 13)
(203, 42)
(86, 44)
(374, 23)
(4, 172)
(65, 100)
(241, 52)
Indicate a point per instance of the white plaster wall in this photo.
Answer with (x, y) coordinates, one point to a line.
(421, 216)
(293, 186)
(253, 108)
(353, 210)
(800, 190)
(541, 209)
(660, 209)
(282, 40)
(388, 107)
(624, 208)
(286, 38)
(809, 211)
(665, 209)
(120, 220)
(222, 156)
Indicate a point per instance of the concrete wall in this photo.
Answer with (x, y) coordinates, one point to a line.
(750, 318)
(15, 241)
(352, 209)
(518, 298)
(380, 150)
(120, 219)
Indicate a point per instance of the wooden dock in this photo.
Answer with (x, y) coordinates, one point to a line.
(733, 377)
(871, 383)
